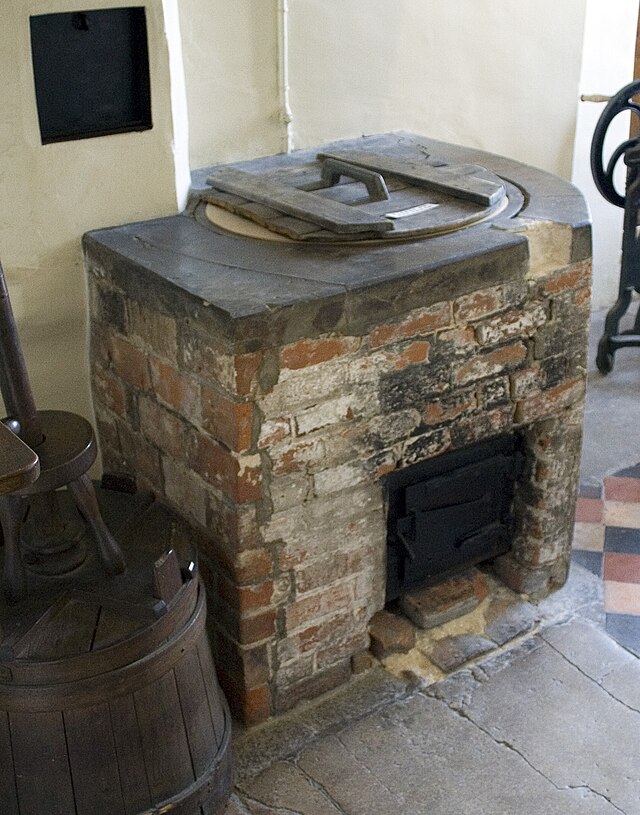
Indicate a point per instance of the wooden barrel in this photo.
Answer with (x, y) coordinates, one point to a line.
(135, 724)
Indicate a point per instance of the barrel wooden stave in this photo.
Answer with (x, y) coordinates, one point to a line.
(157, 740)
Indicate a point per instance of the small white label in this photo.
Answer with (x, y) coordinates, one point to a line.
(404, 213)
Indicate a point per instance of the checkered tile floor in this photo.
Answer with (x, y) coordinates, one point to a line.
(607, 542)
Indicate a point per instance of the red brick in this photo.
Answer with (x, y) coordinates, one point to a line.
(362, 661)
(483, 425)
(426, 445)
(248, 664)
(290, 560)
(257, 627)
(100, 341)
(458, 341)
(573, 277)
(130, 363)
(523, 579)
(227, 421)
(582, 296)
(110, 391)
(256, 706)
(311, 607)
(336, 628)
(416, 324)
(158, 331)
(248, 566)
(385, 469)
(185, 491)
(342, 650)
(517, 323)
(246, 368)
(414, 354)
(235, 528)
(543, 473)
(495, 362)
(178, 391)
(164, 429)
(390, 634)
(251, 705)
(246, 629)
(108, 435)
(305, 352)
(527, 381)
(548, 402)
(325, 570)
(200, 356)
(139, 457)
(220, 468)
(313, 686)
(246, 598)
(430, 606)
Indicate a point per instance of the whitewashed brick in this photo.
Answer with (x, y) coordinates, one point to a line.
(324, 414)
(394, 427)
(516, 324)
(549, 245)
(273, 431)
(344, 477)
(304, 387)
(290, 491)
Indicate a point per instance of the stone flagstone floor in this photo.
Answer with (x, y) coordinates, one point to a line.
(607, 543)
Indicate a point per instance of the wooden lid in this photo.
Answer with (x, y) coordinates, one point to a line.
(356, 195)
(88, 622)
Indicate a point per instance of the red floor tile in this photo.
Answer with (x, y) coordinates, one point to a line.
(622, 568)
(621, 489)
(589, 510)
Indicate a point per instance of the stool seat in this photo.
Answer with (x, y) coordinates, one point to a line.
(19, 465)
(68, 450)
(65, 453)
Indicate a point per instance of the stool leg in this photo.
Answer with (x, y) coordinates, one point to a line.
(85, 497)
(11, 519)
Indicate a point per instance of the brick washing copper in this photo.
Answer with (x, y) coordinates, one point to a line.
(266, 388)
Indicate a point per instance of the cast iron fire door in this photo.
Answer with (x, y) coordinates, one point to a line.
(450, 513)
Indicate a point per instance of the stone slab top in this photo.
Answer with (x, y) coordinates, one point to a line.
(241, 277)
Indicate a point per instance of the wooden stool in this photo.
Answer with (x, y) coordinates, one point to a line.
(66, 448)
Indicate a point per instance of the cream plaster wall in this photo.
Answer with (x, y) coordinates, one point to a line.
(502, 76)
(230, 64)
(50, 195)
(607, 66)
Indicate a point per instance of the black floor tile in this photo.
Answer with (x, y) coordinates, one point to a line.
(630, 472)
(625, 629)
(622, 540)
(587, 490)
(589, 560)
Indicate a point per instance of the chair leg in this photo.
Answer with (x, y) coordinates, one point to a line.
(84, 496)
(11, 520)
